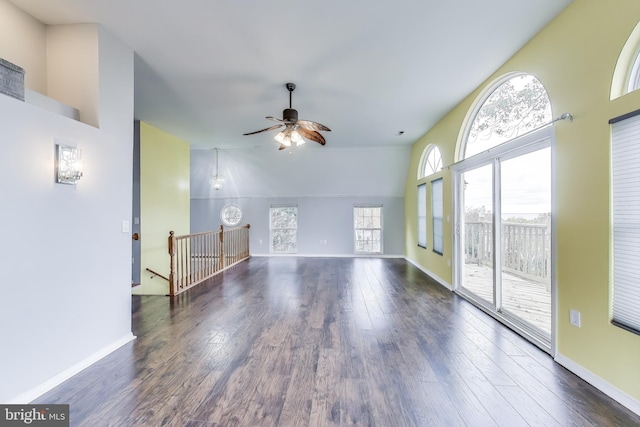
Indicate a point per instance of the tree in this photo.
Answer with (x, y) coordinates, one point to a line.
(516, 107)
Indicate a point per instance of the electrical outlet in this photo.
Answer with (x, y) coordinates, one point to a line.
(574, 318)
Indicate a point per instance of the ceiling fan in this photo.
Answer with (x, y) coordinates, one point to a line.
(294, 130)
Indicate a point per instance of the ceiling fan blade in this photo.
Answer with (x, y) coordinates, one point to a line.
(264, 130)
(309, 125)
(312, 135)
(275, 119)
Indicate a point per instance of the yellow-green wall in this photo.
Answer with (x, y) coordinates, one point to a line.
(164, 202)
(574, 57)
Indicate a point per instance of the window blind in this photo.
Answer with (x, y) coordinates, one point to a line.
(422, 215)
(625, 167)
(437, 208)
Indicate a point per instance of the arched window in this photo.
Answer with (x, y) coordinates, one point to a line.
(431, 161)
(634, 75)
(626, 75)
(517, 105)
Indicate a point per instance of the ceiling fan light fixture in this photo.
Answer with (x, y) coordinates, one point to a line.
(295, 130)
(296, 139)
(279, 137)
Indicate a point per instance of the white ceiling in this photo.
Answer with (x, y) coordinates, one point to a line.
(208, 71)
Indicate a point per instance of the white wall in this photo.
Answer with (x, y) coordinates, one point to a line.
(319, 218)
(325, 183)
(66, 265)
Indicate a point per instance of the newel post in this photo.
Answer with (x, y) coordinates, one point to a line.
(222, 261)
(172, 267)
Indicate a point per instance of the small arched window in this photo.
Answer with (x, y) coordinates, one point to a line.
(517, 104)
(431, 161)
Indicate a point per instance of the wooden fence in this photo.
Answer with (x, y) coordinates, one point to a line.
(197, 257)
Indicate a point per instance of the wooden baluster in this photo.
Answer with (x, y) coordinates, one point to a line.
(201, 257)
(207, 249)
(172, 263)
(232, 248)
(183, 261)
(180, 266)
(195, 262)
(222, 254)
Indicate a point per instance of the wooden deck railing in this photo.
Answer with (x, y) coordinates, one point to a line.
(526, 248)
(197, 257)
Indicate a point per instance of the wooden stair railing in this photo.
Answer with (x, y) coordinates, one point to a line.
(197, 257)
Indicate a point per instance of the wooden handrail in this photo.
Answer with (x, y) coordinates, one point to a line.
(156, 274)
(196, 257)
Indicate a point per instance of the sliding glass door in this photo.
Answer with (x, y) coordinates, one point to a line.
(477, 233)
(503, 237)
(525, 241)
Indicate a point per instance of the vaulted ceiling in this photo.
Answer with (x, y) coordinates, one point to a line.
(209, 71)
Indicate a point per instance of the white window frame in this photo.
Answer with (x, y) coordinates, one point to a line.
(380, 229)
(437, 215)
(273, 229)
(430, 162)
(625, 181)
(422, 215)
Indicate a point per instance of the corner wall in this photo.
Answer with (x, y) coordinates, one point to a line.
(574, 57)
(66, 282)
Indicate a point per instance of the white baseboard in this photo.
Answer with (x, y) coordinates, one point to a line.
(431, 274)
(329, 255)
(50, 384)
(602, 385)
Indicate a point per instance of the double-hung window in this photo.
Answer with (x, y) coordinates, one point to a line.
(283, 228)
(367, 222)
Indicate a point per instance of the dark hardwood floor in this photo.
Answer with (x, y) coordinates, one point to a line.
(327, 342)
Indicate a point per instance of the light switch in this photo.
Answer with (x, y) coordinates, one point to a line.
(125, 226)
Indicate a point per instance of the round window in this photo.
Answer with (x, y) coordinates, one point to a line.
(231, 215)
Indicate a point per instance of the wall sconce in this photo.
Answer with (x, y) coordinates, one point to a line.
(216, 181)
(68, 165)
